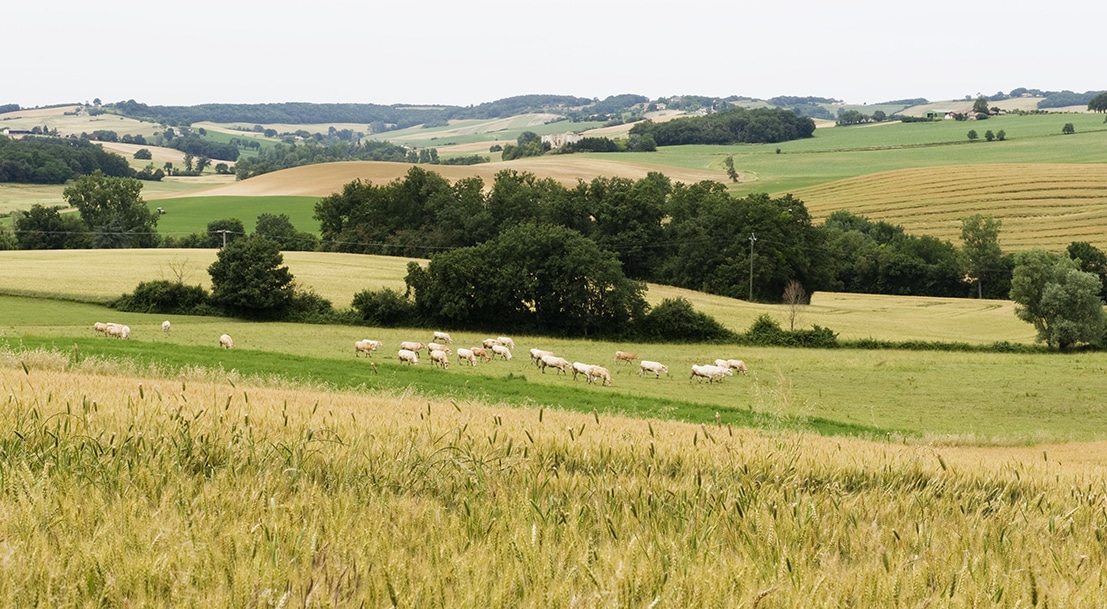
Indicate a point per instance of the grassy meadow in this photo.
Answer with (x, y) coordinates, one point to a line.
(187, 215)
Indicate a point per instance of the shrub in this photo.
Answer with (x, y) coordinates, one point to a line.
(677, 321)
(766, 332)
(168, 297)
(385, 307)
(309, 307)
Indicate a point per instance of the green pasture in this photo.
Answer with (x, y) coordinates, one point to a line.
(187, 215)
(837, 153)
(937, 396)
(337, 277)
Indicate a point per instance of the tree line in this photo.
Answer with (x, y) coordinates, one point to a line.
(732, 126)
(43, 160)
(538, 256)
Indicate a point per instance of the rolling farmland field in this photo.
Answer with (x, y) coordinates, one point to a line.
(163, 470)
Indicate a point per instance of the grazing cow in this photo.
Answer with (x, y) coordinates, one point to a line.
(412, 346)
(582, 368)
(599, 372)
(536, 355)
(501, 350)
(657, 368)
(732, 364)
(553, 361)
(226, 342)
(488, 343)
(481, 353)
(408, 356)
(437, 347)
(443, 336)
(506, 341)
(100, 328)
(466, 355)
(165, 326)
(709, 372)
(440, 358)
(625, 356)
(366, 346)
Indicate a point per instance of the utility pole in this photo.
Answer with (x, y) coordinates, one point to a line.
(752, 239)
(224, 231)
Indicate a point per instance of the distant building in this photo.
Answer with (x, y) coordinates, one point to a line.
(557, 140)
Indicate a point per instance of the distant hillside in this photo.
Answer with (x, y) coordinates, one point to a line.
(396, 116)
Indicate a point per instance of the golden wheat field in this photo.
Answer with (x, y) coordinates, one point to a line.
(132, 487)
(1040, 205)
(326, 179)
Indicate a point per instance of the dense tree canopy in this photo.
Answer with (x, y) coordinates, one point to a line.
(731, 126)
(113, 210)
(1098, 103)
(880, 258)
(248, 278)
(982, 253)
(37, 160)
(542, 277)
(1060, 300)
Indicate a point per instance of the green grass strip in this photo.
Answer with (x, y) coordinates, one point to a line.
(508, 389)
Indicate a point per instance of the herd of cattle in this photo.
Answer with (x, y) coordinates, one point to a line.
(439, 353)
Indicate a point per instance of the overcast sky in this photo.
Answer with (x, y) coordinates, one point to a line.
(462, 53)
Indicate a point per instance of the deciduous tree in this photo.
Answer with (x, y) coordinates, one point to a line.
(1060, 300)
(113, 210)
(248, 278)
(982, 254)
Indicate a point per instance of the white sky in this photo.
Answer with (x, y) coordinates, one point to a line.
(461, 53)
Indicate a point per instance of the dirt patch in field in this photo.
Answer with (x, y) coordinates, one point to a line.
(328, 178)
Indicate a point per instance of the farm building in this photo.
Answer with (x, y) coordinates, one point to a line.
(557, 140)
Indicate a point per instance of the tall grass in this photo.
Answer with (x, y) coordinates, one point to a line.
(131, 491)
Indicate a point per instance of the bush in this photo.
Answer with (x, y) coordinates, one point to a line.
(675, 320)
(385, 308)
(309, 307)
(168, 297)
(766, 332)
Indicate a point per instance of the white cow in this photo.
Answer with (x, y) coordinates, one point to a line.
(506, 341)
(536, 355)
(657, 368)
(501, 350)
(367, 347)
(443, 336)
(165, 326)
(437, 347)
(408, 345)
(582, 368)
(709, 372)
(466, 355)
(553, 361)
(226, 342)
(409, 356)
(440, 358)
(599, 372)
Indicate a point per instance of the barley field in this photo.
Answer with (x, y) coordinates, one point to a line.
(122, 489)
